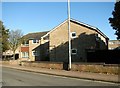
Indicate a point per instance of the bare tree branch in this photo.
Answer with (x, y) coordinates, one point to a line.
(15, 39)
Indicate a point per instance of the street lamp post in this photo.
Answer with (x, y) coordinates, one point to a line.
(69, 35)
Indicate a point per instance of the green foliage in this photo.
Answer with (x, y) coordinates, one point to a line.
(115, 21)
(0, 36)
(4, 38)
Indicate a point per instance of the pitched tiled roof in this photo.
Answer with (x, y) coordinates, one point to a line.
(36, 35)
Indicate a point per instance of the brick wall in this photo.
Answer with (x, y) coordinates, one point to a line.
(24, 49)
(80, 67)
(31, 47)
(85, 39)
(85, 67)
(11, 62)
(96, 68)
(49, 65)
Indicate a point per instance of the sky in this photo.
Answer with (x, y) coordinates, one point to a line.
(44, 16)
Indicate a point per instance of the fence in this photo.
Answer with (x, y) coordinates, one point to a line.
(105, 56)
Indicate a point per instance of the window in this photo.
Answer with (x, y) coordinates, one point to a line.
(25, 55)
(26, 43)
(46, 37)
(73, 35)
(111, 43)
(96, 37)
(111, 48)
(118, 42)
(34, 53)
(74, 51)
(35, 41)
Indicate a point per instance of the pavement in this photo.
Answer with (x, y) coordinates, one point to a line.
(73, 74)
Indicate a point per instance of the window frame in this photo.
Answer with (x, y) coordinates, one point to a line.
(26, 43)
(111, 43)
(36, 41)
(35, 54)
(75, 52)
(73, 36)
(25, 54)
(97, 38)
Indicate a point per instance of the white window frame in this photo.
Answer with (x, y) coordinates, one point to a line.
(36, 53)
(25, 54)
(72, 52)
(36, 41)
(111, 48)
(111, 43)
(25, 43)
(73, 36)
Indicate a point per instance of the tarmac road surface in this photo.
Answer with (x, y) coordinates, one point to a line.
(13, 77)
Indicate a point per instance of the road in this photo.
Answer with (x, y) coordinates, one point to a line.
(13, 77)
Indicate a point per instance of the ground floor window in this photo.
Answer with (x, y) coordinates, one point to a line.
(25, 54)
(74, 51)
(34, 53)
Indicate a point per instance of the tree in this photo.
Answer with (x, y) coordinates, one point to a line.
(115, 21)
(0, 40)
(4, 38)
(15, 39)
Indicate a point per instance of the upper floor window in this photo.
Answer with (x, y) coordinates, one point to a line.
(35, 41)
(46, 37)
(96, 37)
(117, 42)
(114, 42)
(26, 43)
(111, 43)
(73, 35)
